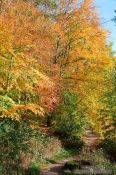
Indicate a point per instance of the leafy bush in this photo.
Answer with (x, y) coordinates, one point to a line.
(97, 157)
(22, 146)
(32, 171)
(67, 120)
(51, 149)
(73, 142)
(94, 157)
(109, 148)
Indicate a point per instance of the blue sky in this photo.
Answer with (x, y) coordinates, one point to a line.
(106, 10)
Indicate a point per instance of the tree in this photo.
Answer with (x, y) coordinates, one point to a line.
(48, 53)
(68, 119)
(82, 63)
(22, 83)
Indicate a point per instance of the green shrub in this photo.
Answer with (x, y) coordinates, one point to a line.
(22, 146)
(67, 120)
(52, 149)
(95, 157)
(73, 142)
(109, 148)
(32, 171)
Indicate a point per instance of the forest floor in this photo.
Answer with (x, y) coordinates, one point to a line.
(90, 138)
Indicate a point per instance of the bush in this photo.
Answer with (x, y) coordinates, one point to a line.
(73, 142)
(95, 157)
(52, 149)
(32, 171)
(22, 146)
(109, 148)
(67, 119)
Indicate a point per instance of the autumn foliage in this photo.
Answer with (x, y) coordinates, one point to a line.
(41, 56)
(50, 49)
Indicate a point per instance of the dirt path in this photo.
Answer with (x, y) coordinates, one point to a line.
(56, 169)
(90, 138)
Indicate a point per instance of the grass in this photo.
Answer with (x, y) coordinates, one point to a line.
(64, 154)
(96, 157)
(45, 162)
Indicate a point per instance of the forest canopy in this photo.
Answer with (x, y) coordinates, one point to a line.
(42, 56)
(56, 67)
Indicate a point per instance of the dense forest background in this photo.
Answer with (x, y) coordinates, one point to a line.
(57, 77)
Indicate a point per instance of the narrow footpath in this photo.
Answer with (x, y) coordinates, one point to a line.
(90, 138)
